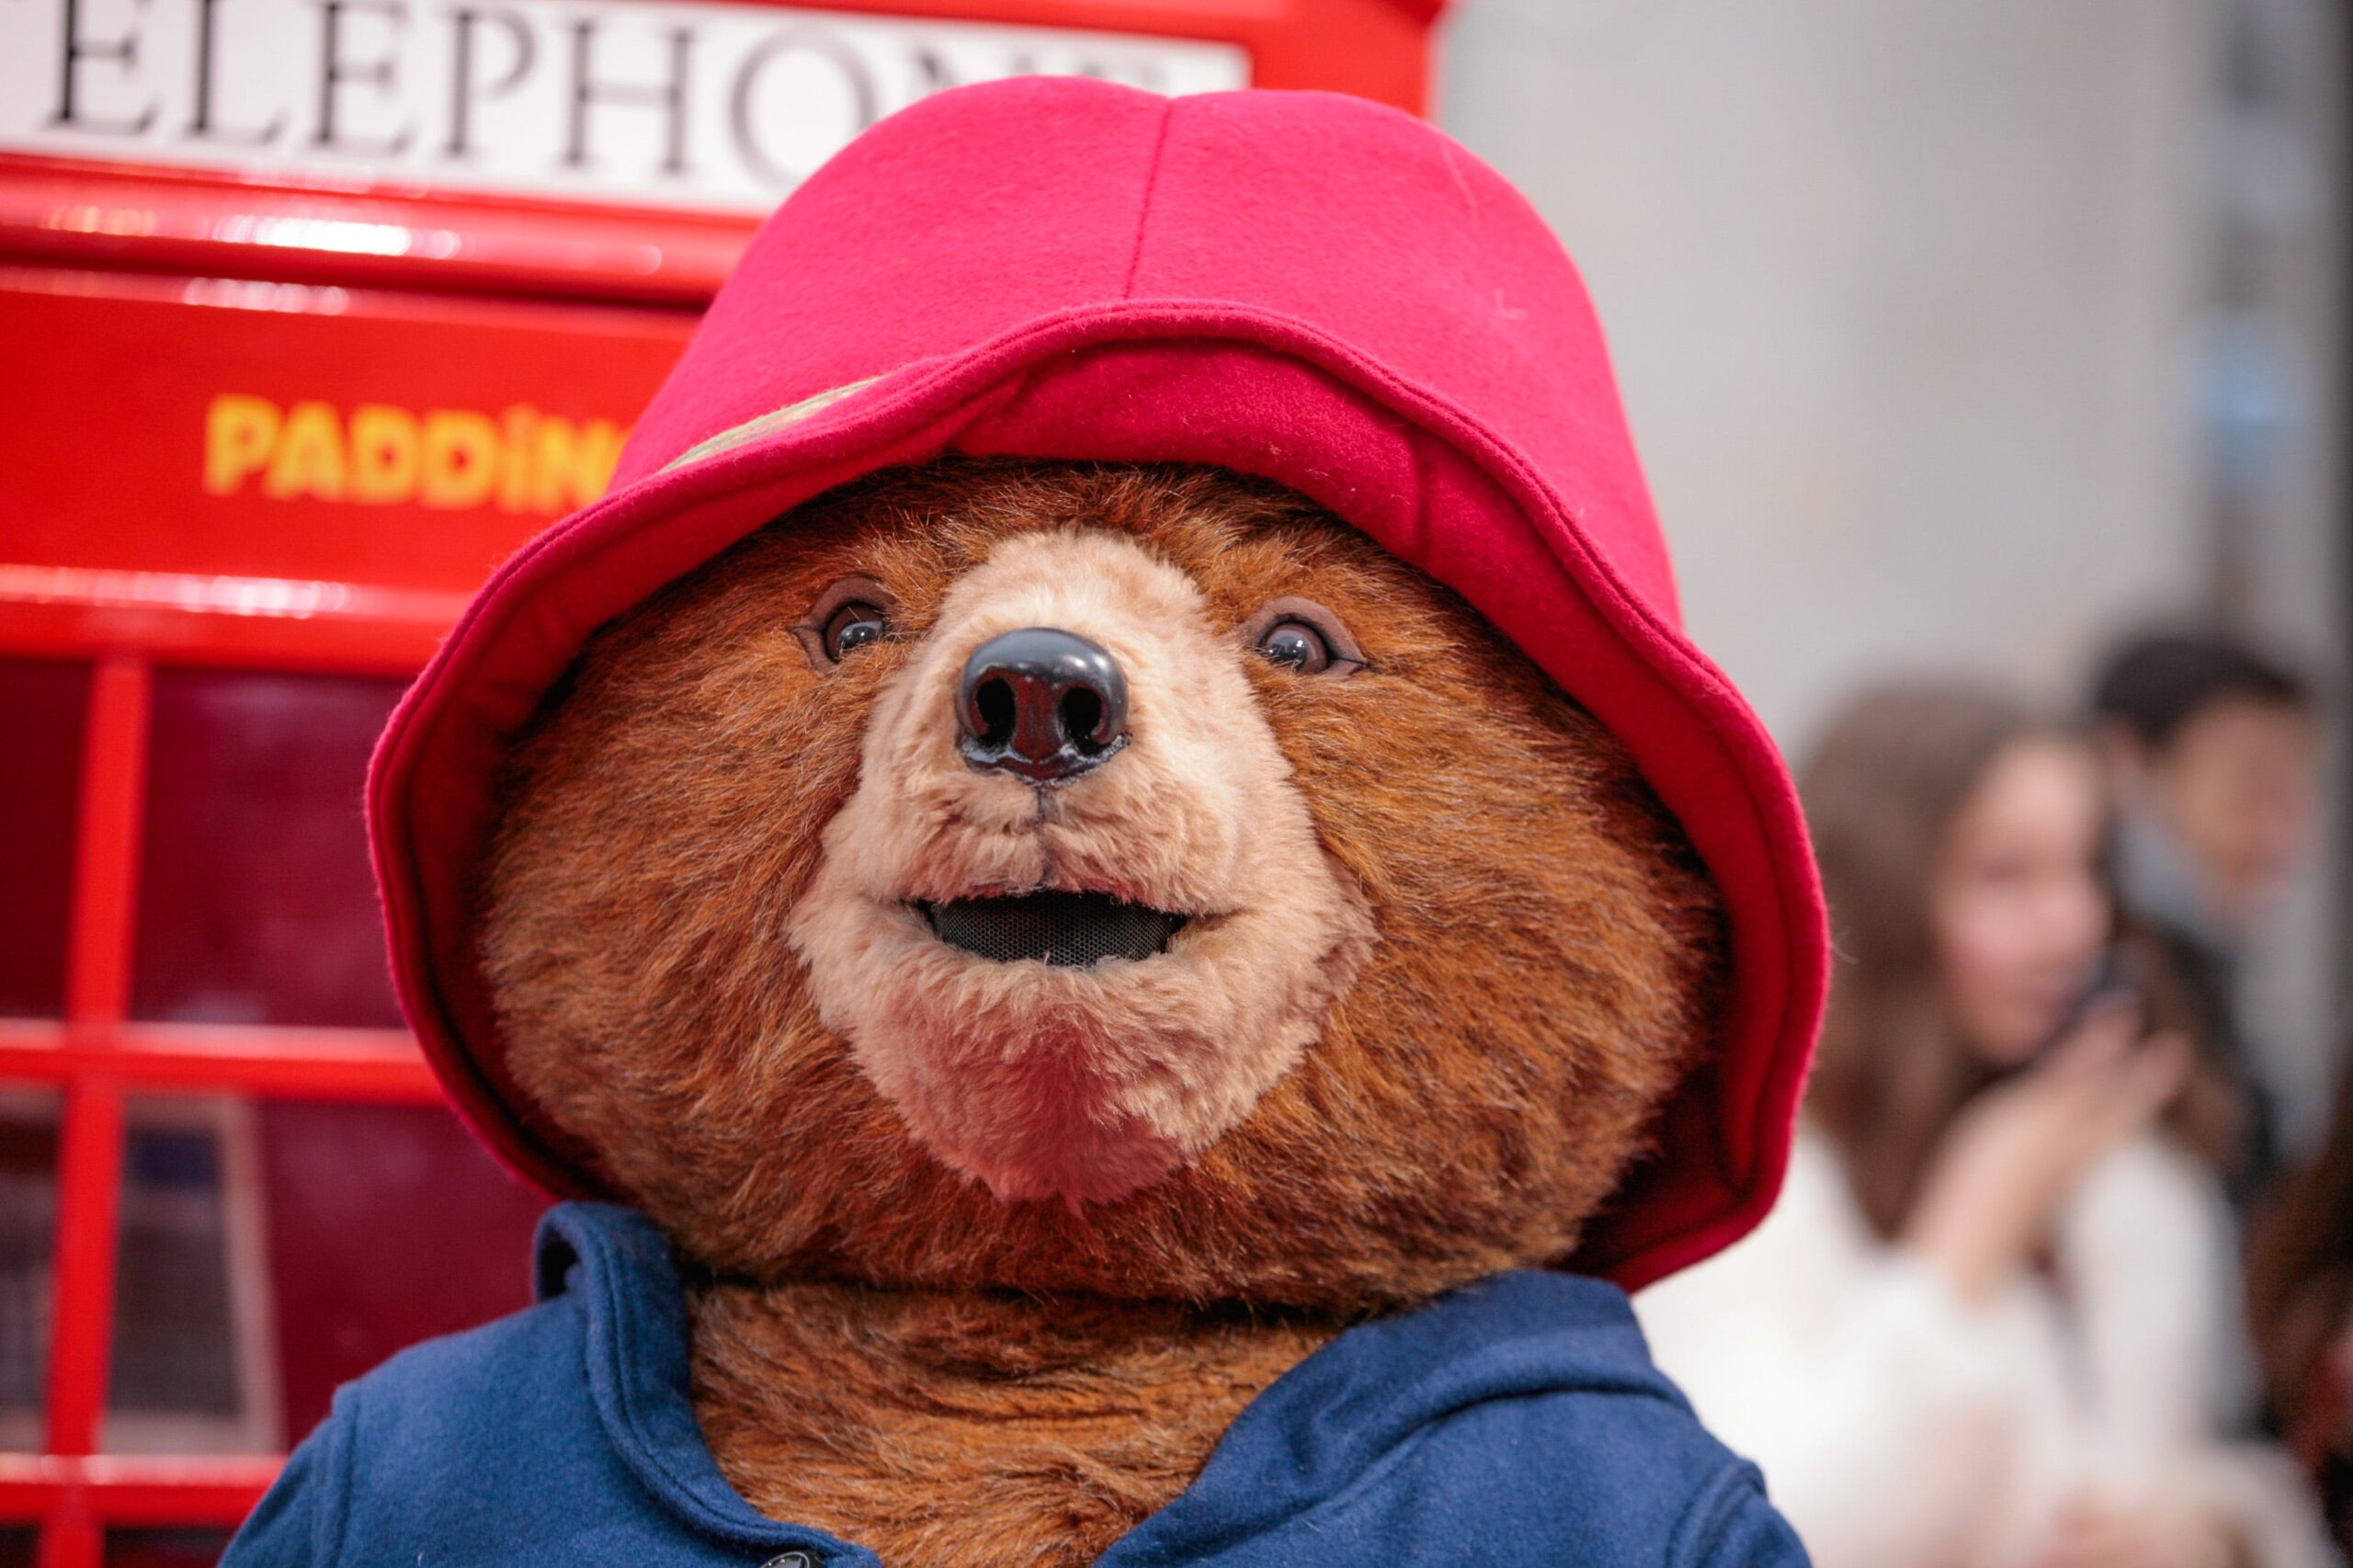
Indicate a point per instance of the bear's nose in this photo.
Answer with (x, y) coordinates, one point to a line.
(1041, 703)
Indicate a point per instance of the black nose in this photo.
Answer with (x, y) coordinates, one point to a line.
(1042, 704)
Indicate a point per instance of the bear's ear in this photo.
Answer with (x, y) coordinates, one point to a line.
(855, 610)
(1302, 635)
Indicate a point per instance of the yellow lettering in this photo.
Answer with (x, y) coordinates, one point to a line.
(448, 458)
(458, 464)
(383, 454)
(309, 459)
(238, 431)
(520, 424)
(574, 464)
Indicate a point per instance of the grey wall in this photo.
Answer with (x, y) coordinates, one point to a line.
(1910, 300)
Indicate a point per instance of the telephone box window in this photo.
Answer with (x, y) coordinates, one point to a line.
(273, 1249)
(28, 1242)
(42, 703)
(158, 1548)
(385, 1224)
(256, 904)
(190, 1371)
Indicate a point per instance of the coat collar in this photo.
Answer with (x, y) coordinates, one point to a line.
(1307, 1438)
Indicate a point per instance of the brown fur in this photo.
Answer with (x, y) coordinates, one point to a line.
(1542, 974)
(963, 1428)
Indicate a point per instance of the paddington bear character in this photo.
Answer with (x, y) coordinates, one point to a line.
(1108, 875)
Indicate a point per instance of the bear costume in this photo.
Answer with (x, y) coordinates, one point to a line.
(1107, 878)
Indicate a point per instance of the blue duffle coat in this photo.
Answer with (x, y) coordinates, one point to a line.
(1517, 1422)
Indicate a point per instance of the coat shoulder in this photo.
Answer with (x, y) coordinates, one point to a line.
(439, 1431)
(1579, 1476)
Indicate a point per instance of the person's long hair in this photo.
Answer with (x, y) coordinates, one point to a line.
(2299, 1298)
(1893, 1070)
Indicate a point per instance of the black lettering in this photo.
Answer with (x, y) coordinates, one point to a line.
(79, 48)
(1146, 74)
(199, 125)
(932, 74)
(335, 71)
(462, 93)
(669, 96)
(741, 120)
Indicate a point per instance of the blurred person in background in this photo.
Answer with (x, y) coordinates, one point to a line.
(2211, 750)
(1983, 1328)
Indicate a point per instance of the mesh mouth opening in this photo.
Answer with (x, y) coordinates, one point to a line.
(1073, 930)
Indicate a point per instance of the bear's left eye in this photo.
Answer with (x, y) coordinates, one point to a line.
(853, 627)
(1302, 635)
(847, 617)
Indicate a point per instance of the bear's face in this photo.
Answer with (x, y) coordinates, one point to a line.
(1090, 878)
(1072, 763)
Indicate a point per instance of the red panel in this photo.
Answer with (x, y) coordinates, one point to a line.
(90, 1188)
(351, 1064)
(71, 1538)
(73, 612)
(84, 214)
(90, 1153)
(106, 850)
(131, 1491)
(306, 438)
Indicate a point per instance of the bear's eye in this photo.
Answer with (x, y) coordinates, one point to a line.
(1298, 645)
(853, 626)
(845, 617)
(1302, 636)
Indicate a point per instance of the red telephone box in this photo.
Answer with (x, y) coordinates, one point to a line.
(310, 311)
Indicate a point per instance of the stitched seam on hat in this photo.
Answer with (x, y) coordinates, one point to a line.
(735, 435)
(1143, 210)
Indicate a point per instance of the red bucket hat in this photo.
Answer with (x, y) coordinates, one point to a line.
(1300, 285)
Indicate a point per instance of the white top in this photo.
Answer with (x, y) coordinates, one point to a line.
(1900, 1427)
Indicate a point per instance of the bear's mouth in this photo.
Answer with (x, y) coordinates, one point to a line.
(1070, 930)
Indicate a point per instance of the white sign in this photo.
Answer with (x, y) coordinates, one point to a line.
(661, 103)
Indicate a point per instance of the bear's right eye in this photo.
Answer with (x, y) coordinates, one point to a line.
(1302, 637)
(853, 627)
(1296, 645)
